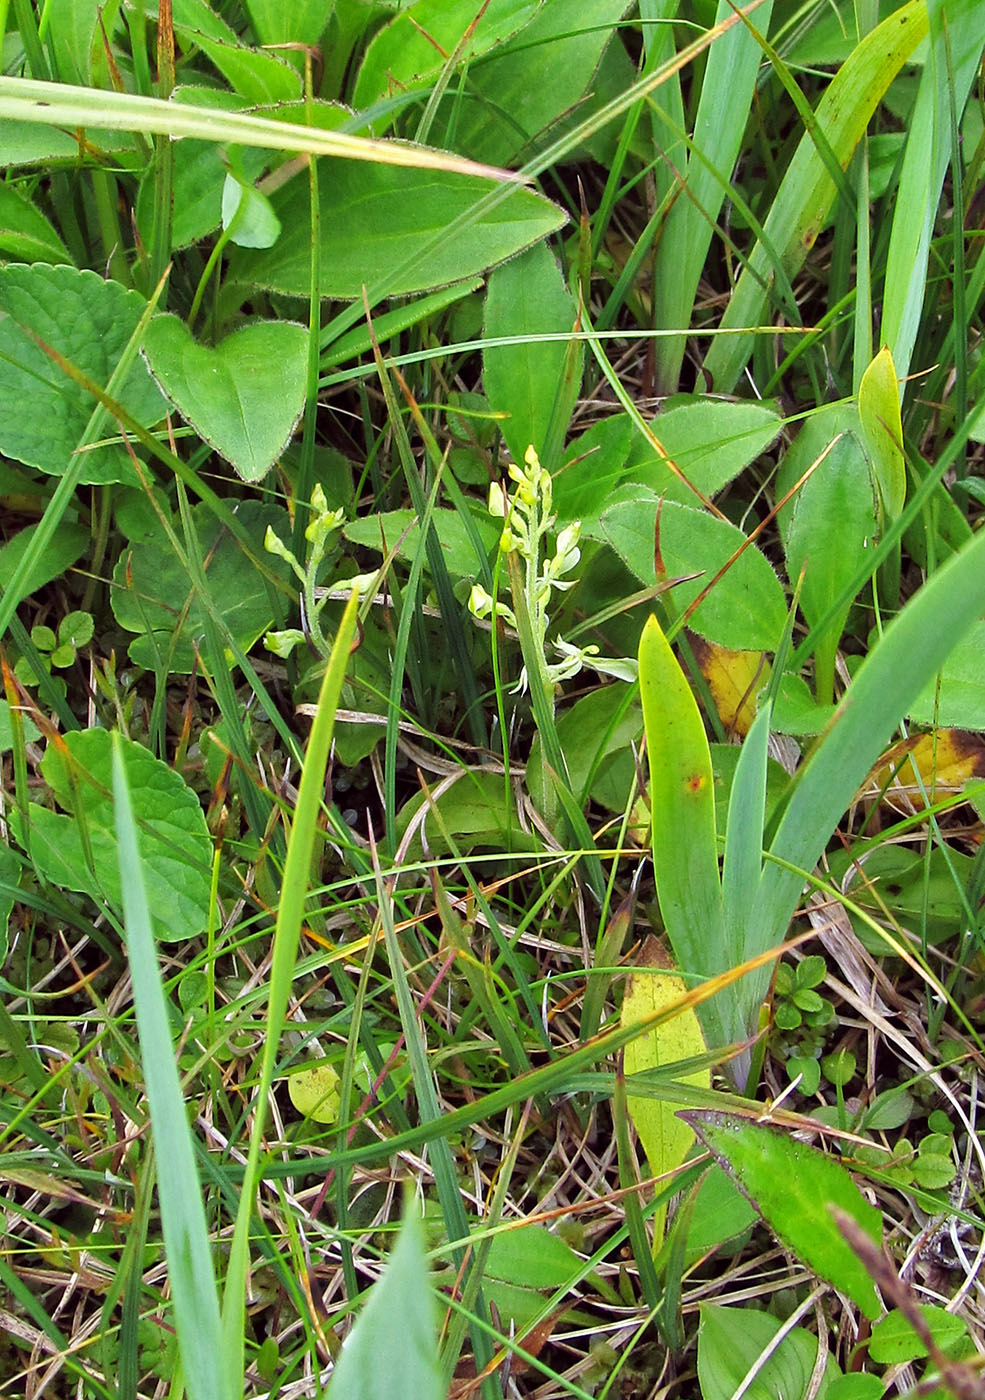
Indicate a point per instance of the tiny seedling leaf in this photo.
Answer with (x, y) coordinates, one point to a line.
(314, 1092)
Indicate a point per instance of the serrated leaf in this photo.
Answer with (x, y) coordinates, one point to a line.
(523, 89)
(412, 49)
(174, 840)
(89, 321)
(665, 1138)
(289, 21)
(792, 1185)
(709, 440)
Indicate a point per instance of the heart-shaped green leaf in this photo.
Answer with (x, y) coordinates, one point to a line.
(245, 396)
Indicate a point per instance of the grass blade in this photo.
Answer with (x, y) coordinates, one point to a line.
(912, 650)
(928, 150)
(807, 191)
(290, 912)
(186, 1237)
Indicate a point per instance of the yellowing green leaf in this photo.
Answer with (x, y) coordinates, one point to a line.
(879, 412)
(735, 679)
(315, 1092)
(665, 1139)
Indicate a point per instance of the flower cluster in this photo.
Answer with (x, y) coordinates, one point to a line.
(323, 525)
(528, 519)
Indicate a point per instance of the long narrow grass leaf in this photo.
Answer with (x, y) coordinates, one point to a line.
(290, 913)
(186, 1238)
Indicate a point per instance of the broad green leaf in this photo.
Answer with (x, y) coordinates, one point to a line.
(879, 415)
(682, 806)
(475, 813)
(792, 1185)
(314, 1092)
(958, 700)
(720, 1213)
(7, 729)
(400, 528)
(258, 77)
(88, 320)
(525, 381)
(67, 544)
(799, 211)
(828, 524)
(412, 49)
(519, 93)
(392, 229)
(666, 1139)
(856, 1385)
(187, 1247)
(175, 845)
(894, 1341)
(198, 174)
(289, 21)
(393, 1348)
(924, 892)
(745, 610)
(709, 440)
(244, 396)
(594, 465)
(25, 233)
(730, 1341)
(72, 33)
(31, 143)
(152, 587)
(532, 1257)
(597, 741)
